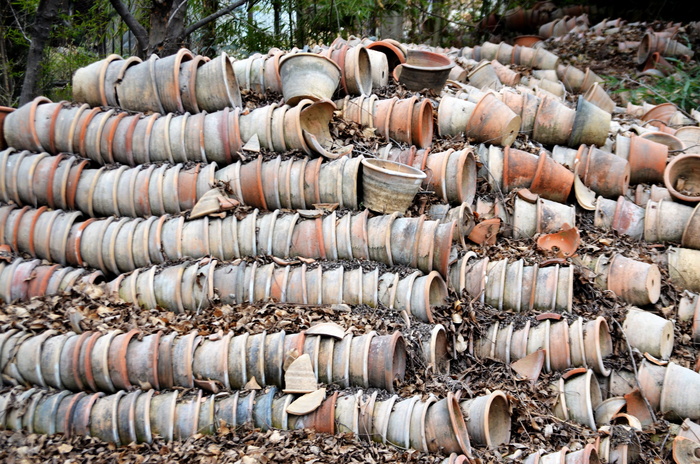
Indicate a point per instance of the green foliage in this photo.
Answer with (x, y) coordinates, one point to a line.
(681, 87)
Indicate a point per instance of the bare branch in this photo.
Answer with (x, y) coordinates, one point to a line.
(137, 29)
(212, 17)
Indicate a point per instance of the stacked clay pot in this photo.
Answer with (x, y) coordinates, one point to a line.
(606, 174)
(121, 245)
(658, 42)
(576, 344)
(663, 385)
(111, 136)
(578, 397)
(660, 221)
(514, 286)
(562, 26)
(407, 120)
(633, 281)
(683, 269)
(540, 175)
(22, 280)
(136, 417)
(190, 287)
(647, 158)
(355, 66)
(174, 84)
(508, 54)
(121, 361)
(296, 183)
(259, 73)
(66, 183)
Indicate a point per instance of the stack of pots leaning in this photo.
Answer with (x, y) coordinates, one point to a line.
(221, 219)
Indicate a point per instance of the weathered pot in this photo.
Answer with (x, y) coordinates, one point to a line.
(386, 361)
(682, 268)
(674, 402)
(554, 122)
(445, 428)
(493, 121)
(423, 70)
(682, 177)
(216, 86)
(488, 419)
(382, 193)
(89, 82)
(649, 333)
(636, 282)
(598, 344)
(591, 124)
(583, 396)
(298, 70)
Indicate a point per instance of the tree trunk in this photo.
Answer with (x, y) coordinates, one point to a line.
(167, 26)
(45, 15)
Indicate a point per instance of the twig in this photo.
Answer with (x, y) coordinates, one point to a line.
(212, 17)
(134, 26)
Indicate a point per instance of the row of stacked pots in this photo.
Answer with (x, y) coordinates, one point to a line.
(192, 287)
(108, 362)
(662, 221)
(428, 425)
(121, 245)
(109, 136)
(22, 280)
(579, 344)
(512, 286)
(174, 84)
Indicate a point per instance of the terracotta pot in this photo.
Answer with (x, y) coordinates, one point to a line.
(398, 430)
(493, 121)
(606, 174)
(422, 70)
(216, 87)
(647, 159)
(591, 124)
(682, 177)
(678, 379)
(649, 333)
(262, 411)
(582, 394)
(597, 344)
(506, 75)
(682, 268)
(298, 69)
(554, 122)
(322, 419)
(488, 419)
(378, 174)
(162, 415)
(635, 282)
(394, 52)
(445, 428)
(484, 76)
(104, 417)
(20, 128)
(386, 361)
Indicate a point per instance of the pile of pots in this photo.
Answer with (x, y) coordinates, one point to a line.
(174, 84)
(408, 120)
(488, 120)
(296, 183)
(136, 417)
(191, 287)
(22, 279)
(66, 183)
(663, 385)
(635, 282)
(660, 42)
(662, 221)
(109, 136)
(116, 361)
(606, 174)
(512, 286)
(259, 73)
(578, 344)
(121, 245)
(508, 54)
(562, 26)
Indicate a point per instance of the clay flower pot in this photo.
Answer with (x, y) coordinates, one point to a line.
(297, 70)
(445, 429)
(682, 268)
(597, 344)
(583, 396)
(673, 402)
(635, 282)
(484, 76)
(453, 115)
(216, 86)
(89, 82)
(423, 70)
(682, 177)
(647, 158)
(493, 121)
(597, 95)
(386, 361)
(649, 333)
(591, 124)
(488, 419)
(554, 122)
(606, 174)
(381, 190)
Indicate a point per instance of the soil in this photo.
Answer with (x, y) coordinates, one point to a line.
(534, 427)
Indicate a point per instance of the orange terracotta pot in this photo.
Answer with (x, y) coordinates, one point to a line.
(682, 177)
(492, 121)
(553, 123)
(606, 174)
